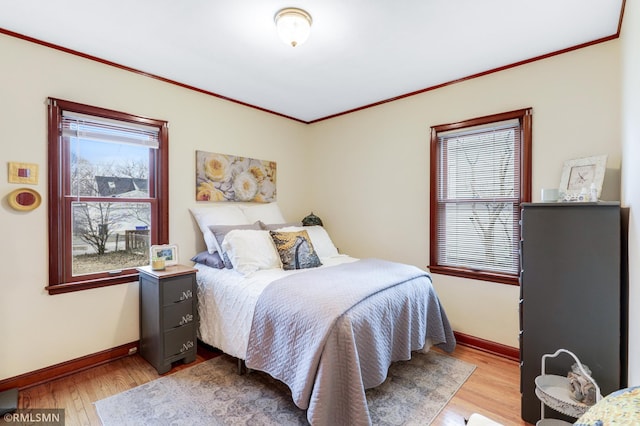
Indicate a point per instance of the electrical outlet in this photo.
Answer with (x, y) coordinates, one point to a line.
(133, 350)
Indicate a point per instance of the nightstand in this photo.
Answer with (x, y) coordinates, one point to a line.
(168, 315)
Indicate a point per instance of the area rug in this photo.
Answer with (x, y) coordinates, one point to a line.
(212, 393)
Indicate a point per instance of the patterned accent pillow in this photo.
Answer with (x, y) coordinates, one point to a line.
(617, 408)
(295, 250)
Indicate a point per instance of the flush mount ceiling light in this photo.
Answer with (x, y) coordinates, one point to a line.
(293, 25)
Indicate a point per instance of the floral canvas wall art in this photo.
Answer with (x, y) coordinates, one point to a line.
(221, 177)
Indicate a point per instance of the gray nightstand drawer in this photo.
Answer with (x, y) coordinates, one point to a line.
(178, 289)
(178, 314)
(179, 340)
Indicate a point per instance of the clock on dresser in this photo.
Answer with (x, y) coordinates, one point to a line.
(168, 315)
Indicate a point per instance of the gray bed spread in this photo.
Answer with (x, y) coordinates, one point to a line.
(331, 333)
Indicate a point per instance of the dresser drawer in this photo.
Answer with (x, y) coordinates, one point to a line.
(178, 289)
(178, 314)
(179, 340)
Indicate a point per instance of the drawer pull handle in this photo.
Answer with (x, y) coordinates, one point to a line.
(186, 346)
(186, 319)
(186, 295)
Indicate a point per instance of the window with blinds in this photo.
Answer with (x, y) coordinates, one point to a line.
(478, 181)
(108, 195)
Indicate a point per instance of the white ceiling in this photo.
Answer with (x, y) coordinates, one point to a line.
(359, 53)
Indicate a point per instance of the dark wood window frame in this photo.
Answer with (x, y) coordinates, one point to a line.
(525, 118)
(60, 277)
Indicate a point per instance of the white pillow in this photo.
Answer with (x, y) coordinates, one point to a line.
(251, 250)
(266, 213)
(228, 214)
(320, 239)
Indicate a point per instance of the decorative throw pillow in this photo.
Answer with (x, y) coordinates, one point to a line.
(205, 258)
(221, 231)
(277, 226)
(251, 250)
(217, 215)
(264, 212)
(617, 408)
(319, 238)
(295, 250)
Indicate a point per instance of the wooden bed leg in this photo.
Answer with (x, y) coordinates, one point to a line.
(242, 367)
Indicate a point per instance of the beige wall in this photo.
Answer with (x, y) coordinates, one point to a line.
(371, 168)
(38, 330)
(365, 174)
(631, 172)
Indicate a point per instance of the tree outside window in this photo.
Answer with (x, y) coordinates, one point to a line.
(108, 194)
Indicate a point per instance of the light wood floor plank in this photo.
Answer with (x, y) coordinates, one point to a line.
(493, 390)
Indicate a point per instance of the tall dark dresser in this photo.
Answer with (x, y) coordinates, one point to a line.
(572, 295)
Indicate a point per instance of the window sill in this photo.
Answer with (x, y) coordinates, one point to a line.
(89, 284)
(475, 275)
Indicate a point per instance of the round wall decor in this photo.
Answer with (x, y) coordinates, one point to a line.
(24, 199)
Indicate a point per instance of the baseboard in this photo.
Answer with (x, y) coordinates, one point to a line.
(499, 349)
(67, 368)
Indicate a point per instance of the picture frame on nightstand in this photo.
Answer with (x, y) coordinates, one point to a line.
(168, 252)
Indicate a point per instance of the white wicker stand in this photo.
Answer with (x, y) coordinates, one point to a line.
(554, 391)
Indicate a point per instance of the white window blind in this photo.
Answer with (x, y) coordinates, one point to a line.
(478, 195)
(100, 129)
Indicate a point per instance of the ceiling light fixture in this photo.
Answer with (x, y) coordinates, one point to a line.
(293, 25)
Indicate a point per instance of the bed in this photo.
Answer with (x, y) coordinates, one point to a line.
(326, 324)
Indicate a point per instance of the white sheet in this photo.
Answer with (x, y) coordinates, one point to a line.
(227, 299)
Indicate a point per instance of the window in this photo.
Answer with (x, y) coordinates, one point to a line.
(108, 194)
(480, 175)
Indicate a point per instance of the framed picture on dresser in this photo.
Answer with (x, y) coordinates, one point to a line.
(579, 174)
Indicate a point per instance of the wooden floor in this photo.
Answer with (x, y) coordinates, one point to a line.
(492, 390)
